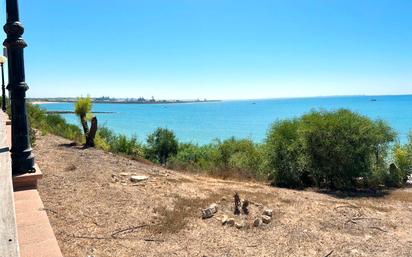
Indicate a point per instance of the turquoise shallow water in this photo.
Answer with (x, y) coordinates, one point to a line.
(203, 122)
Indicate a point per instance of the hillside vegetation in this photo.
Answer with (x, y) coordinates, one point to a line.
(327, 149)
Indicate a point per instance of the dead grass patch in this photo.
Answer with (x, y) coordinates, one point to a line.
(400, 195)
(179, 180)
(174, 218)
(70, 167)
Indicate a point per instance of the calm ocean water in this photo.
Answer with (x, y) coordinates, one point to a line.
(203, 122)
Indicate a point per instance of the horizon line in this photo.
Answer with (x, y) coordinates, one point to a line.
(240, 99)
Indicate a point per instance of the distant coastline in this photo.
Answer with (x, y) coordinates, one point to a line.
(108, 100)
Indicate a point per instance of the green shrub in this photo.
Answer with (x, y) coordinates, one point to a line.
(330, 149)
(402, 155)
(57, 125)
(230, 158)
(395, 178)
(192, 157)
(161, 144)
(107, 135)
(343, 146)
(109, 141)
(52, 123)
(286, 157)
(128, 146)
(101, 143)
(239, 157)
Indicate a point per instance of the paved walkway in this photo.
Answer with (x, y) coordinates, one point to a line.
(8, 234)
(34, 236)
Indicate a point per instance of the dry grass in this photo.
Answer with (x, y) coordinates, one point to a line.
(175, 218)
(95, 211)
(400, 195)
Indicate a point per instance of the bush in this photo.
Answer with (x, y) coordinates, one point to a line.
(230, 158)
(161, 144)
(101, 143)
(107, 140)
(330, 149)
(238, 157)
(402, 155)
(52, 123)
(193, 157)
(128, 146)
(286, 158)
(395, 178)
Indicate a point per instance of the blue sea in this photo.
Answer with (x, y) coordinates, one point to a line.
(203, 122)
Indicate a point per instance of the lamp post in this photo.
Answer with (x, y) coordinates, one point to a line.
(21, 152)
(3, 59)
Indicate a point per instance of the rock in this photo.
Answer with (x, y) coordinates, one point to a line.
(268, 212)
(124, 174)
(230, 222)
(245, 206)
(257, 222)
(138, 178)
(239, 225)
(266, 219)
(224, 219)
(209, 212)
(237, 204)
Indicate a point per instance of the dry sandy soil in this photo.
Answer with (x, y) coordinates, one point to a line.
(95, 211)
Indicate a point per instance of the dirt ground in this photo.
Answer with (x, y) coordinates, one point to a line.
(96, 211)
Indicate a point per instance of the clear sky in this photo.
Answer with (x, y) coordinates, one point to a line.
(217, 49)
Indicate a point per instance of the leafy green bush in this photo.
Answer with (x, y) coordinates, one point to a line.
(330, 149)
(240, 157)
(161, 144)
(402, 155)
(343, 146)
(101, 143)
(286, 157)
(107, 140)
(193, 157)
(395, 178)
(52, 123)
(228, 158)
(128, 146)
(107, 135)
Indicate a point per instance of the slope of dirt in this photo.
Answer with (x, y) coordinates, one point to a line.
(96, 211)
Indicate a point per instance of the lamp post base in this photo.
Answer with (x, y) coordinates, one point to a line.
(22, 164)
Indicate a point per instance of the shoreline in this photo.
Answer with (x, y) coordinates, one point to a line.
(42, 102)
(126, 102)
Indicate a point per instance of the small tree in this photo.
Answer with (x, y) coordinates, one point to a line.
(83, 108)
(161, 144)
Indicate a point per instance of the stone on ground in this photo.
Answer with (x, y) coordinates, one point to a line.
(230, 222)
(239, 225)
(138, 178)
(224, 219)
(266, 219)
(209, 212)
(268, 212)
(257, 222)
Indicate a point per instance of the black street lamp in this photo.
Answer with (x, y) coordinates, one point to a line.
(3, 59)
(21, 152)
